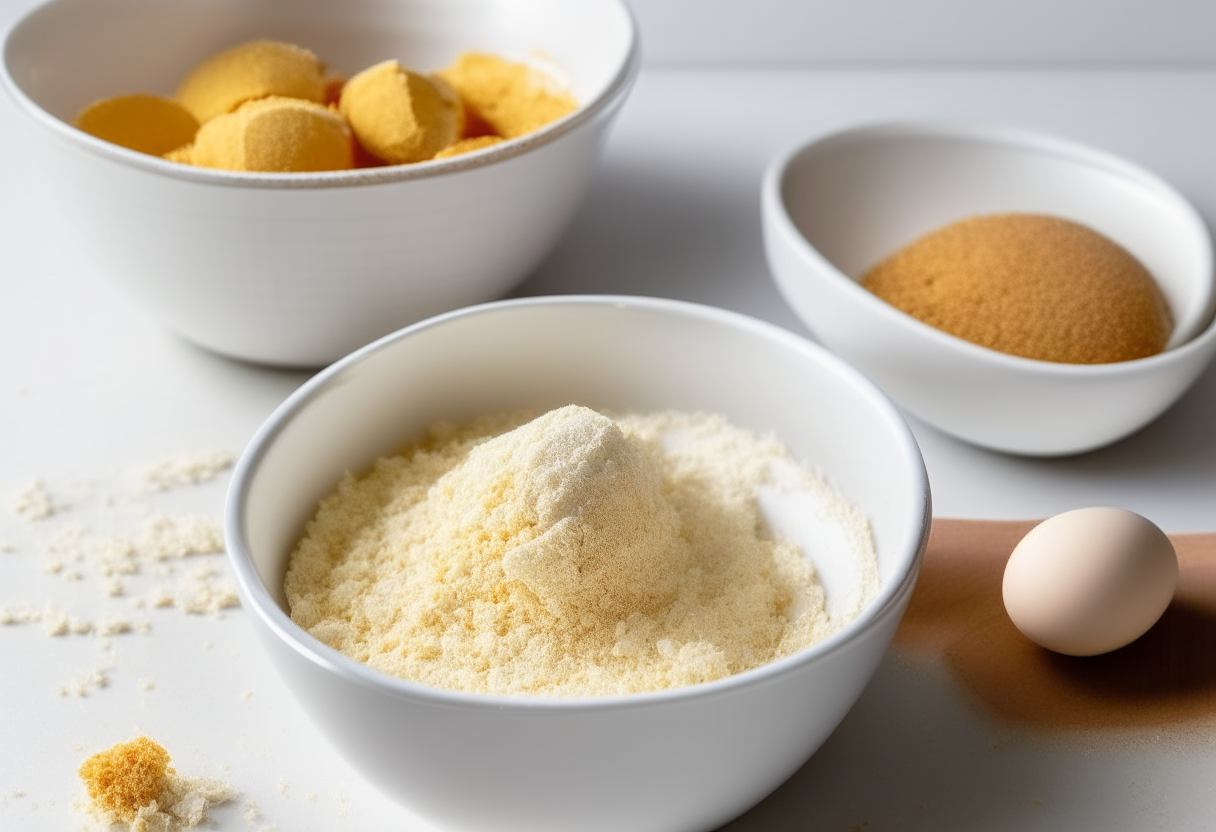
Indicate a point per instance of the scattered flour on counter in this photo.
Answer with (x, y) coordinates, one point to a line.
(117, 539)
(187, 468)
(80, 686)
(34, 503)
(113, 627)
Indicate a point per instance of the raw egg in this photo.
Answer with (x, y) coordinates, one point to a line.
(1090, 581)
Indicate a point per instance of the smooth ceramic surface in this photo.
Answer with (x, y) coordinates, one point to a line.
(688, 759)
(835, 207)
(299, 269)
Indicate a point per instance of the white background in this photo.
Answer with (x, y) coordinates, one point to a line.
(91, 388)
(964, 33)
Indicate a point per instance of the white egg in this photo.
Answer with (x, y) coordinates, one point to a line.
(1090, 581)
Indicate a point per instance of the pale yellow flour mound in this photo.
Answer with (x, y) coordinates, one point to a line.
(572, 554)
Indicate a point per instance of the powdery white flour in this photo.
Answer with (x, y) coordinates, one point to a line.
(570, 554)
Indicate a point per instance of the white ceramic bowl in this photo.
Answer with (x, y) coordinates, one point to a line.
(686, 759)
(299, 269)
(835, 207)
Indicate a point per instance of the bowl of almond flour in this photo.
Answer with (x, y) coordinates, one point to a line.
(585, 562)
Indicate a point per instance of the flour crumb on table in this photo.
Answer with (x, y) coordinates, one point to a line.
(187, 468)
(34, 503)
(80, 686)
(113, 626)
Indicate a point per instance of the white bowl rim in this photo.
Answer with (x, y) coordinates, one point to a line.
(612, 95)
(306, 646)
(773, 205)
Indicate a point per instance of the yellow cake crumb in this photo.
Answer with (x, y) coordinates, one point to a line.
(270, 106)
(126, 777)
(249, 71)
(133, 783)
(400, 115)
(146, 123)
(513, 99)
(468, 146)
(275, 135)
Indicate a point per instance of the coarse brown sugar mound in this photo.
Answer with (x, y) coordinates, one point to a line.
(126, 777)
(1030, 285)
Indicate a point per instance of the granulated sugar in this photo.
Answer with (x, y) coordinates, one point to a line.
(569, 555)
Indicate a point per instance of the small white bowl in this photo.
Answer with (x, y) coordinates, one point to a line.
(299, 269)
(684, 759)
(835, 207)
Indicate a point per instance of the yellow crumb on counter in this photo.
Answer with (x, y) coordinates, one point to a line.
(133, 783)
(513, 99)
(400, 115)
(126, 777)
(275, 135)
(468, 146)
(142, 122)
(252, 70)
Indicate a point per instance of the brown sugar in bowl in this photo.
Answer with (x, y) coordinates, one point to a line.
(1032, 285)
(837, 205)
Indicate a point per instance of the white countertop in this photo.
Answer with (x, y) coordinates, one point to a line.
(91, 389)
